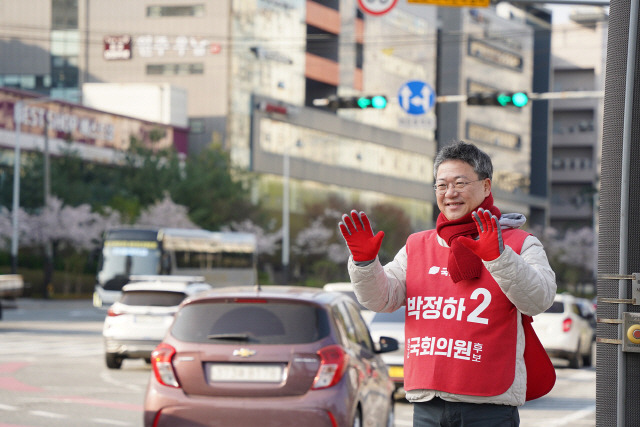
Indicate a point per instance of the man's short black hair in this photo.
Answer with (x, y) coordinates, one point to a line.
(469, 153)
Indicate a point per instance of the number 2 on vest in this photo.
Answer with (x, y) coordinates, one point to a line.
(474, 316)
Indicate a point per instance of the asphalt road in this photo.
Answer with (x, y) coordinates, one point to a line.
(52, 374)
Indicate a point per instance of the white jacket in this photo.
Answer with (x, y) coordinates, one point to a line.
(526, 279)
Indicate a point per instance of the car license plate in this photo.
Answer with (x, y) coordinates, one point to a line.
(140, 318)
(396, 371)
(245, 372)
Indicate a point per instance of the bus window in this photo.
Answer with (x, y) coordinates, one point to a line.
(236, 260)
(124, 261)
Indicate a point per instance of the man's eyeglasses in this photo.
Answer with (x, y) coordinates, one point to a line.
(458, 186)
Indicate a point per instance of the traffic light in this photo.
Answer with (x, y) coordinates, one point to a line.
(376, 101)
(334, 102)
(501, 99)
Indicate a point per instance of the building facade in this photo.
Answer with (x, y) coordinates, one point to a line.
(64, 127)
(252, 70)
(579, 53)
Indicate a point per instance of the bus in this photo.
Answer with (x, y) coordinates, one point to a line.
(222, 258)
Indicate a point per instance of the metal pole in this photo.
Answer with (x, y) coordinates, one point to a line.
(621, 401)
(48, 247)
(17, 120)
(285, 216)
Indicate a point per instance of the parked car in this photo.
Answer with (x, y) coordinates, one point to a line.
(275, 356)
(565, 331)
(588, 310)
(391, 325)
(136, 323)
(347, 289)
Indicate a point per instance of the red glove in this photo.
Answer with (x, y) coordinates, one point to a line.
(358, 234)
(489, 245)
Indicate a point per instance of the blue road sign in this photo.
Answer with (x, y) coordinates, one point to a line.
(416, 97)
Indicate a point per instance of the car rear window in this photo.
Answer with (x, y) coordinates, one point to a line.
(152, 298)
(254, 322)
(556, 307)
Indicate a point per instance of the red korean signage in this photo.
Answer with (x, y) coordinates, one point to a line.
(117, 47)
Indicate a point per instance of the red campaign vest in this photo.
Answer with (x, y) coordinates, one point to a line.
(459, 337)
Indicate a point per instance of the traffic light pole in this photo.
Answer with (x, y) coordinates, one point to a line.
(534, 96)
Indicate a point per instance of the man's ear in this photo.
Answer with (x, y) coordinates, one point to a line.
(487, 187)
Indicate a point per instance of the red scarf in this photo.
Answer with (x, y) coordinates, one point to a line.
(463, 263)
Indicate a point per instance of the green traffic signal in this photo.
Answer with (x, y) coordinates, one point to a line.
(363, 102)
(377, 101)
(519, 99)
(503, 99)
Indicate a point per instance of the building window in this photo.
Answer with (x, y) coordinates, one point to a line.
(26, 81)
(174, 69)
(359, 55)
(196, 10)
(64, 14)
(64, 71)
(571, 163)
(322, 43)
(196, 126)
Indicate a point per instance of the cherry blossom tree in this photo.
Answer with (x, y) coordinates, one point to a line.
(166, 213)
(571, 253)
(268, 243)
(72, 231)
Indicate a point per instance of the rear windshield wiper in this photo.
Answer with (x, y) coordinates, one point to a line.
(230, 337)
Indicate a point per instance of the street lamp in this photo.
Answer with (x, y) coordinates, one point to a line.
(17, 120)
(285, 215)
(286, 172)
(16, 187)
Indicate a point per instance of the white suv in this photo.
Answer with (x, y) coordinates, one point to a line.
(137, 322)
(565, 331)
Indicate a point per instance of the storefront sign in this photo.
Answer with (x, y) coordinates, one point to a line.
(117, 47)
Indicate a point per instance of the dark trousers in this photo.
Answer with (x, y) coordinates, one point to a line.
(440, 413)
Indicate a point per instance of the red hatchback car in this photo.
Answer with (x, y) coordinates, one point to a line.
(276, 356)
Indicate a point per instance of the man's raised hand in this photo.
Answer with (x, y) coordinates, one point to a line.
(357, 232)
(489, 245)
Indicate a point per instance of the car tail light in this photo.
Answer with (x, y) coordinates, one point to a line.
(161, 363)
(251, 300)
(333, 364)
(566, 324)
(111, 312)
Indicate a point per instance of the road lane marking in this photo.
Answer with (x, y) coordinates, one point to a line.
(8, 407)
(47, 414)
(110, 422)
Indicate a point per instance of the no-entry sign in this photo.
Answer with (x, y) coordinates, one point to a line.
(377, 7)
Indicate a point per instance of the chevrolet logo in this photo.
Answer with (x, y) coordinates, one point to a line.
(244, 352)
